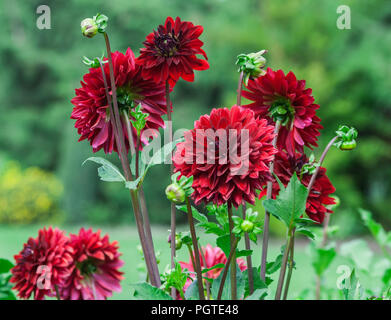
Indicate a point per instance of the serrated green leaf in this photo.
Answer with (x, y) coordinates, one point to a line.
(144, 291)
(290, 203)
(108, 171)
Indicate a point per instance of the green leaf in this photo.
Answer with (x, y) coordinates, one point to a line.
(211, 227)
(272, 267)
(258, 283)
(258, 294)
(224, 243)
(108, 171)
(217, 266)
(290, 203)
(387, 277)
(351, 287)
(375, 228)
(5, 266)
(157, 158)
(243, 253)
(306, 232)
(196, 214)
(227, 285)
(192, 291)
(322, 259)
(144, 291)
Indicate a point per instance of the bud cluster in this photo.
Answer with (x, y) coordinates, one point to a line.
(251, 65)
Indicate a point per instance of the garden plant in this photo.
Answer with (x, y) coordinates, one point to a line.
(259, 148)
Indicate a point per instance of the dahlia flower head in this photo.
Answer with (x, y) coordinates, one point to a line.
(91, 110)
(213, 256)
(44, 264)
(171, 52)
(279, 96)
(96, 273)
(228, 154)
(319, 197)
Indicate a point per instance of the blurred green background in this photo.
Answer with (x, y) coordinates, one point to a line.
(41, 177)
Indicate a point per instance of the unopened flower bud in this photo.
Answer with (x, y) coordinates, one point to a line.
(89, 28)
(251, 65)
(247, 226)
(348, 145)
(175, 193)
(178, 241)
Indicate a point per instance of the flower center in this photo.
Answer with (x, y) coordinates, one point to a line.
(87, 267)
(166, 44)
(282, 110)
(127, 97)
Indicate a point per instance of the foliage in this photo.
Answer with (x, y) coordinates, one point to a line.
(5, 286)
(28, 195)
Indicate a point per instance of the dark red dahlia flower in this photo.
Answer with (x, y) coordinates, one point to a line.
(213, 256)
(319, 197)
(279, 96)
(227, 153)
(170, 52)
(44, 264)
(91, 109)
(96, 273)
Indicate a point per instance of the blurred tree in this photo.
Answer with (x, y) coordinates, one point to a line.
(348, 71)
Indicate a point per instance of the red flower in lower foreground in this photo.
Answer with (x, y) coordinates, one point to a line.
(227, 153)
(170, 52)
(91, 110)
(319, 197)
(96, 274)
(213, 256)
(283, 96)
(44, 264)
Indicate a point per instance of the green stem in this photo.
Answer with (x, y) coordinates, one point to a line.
(191, 256)
(233, 261)
(265, 242)
(57, 292)
(207, 284)
(283, 265)
(147, 250)
(227, 266)
(290, 270)
(144, 209)
(173, 208)
(195, 249)
(240, 87)
(248, 258)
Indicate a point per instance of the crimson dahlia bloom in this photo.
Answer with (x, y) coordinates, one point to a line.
(44, 263)
(319, 197)
(277, 94)
(213, 256)
(96, 273)
(231, 173)
(91, 110)
(170, 52)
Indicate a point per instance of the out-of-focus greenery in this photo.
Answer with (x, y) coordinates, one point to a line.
(27, 196)
(348, 70)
